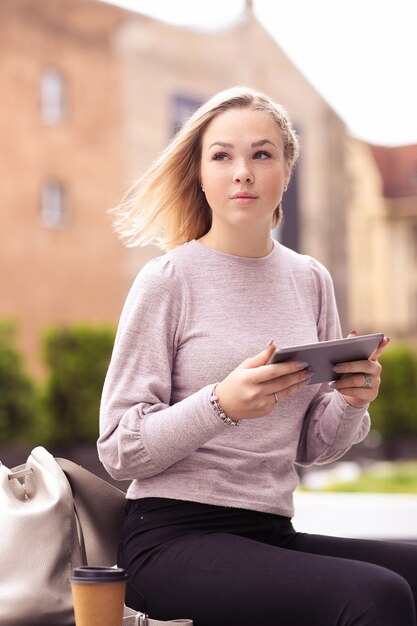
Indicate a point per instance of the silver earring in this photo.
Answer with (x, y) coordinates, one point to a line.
(285, 188)
(202, 188)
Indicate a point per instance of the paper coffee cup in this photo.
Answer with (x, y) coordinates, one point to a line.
(98, 594)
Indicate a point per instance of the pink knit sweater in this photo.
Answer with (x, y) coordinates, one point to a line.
(191, 317)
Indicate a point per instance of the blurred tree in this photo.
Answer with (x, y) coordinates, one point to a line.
(394, 412)
(19, 402)
(78, 358)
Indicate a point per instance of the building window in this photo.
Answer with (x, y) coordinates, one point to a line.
(54, 210)
(182, 108)
(53, 97)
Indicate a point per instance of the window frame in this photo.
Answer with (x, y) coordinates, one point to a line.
(54, 214)
(53, 96)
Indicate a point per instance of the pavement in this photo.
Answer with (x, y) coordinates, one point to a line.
(363, 515)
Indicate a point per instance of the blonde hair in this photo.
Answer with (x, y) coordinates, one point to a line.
(166, 206)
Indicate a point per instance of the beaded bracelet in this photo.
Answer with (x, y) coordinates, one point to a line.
(220, 413)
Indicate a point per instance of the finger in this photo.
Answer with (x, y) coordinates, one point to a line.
(355, 381)
(357, 392)
(276, 371)
(260, 359)
(353, 333)
(354, 367)
(292, 387)
(352, 389)
(296, 379)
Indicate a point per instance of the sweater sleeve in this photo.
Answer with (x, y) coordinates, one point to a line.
(141, 434)
(331, 426)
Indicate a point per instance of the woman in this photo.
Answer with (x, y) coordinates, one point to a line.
(208, 532)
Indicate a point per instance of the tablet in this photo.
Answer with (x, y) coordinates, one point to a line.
(322, 355)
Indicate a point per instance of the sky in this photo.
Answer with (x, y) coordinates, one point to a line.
(360, 55)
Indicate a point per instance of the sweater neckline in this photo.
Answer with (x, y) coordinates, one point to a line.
(232, 258)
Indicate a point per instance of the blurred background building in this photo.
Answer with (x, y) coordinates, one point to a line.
(91, 93)
(382, 235)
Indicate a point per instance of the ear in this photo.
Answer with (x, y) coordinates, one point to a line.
(287, 171)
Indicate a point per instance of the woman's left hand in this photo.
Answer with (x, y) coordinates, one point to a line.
(360, 380)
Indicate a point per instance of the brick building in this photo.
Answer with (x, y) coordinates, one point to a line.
(61, 162)
(90, 94)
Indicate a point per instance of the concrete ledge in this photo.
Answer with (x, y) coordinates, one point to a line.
(362, 515)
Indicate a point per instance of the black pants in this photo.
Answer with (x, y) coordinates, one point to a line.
(225, 567)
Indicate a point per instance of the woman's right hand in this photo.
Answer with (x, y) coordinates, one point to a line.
(254, 387)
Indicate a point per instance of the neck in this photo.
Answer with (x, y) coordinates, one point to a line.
(246, 245)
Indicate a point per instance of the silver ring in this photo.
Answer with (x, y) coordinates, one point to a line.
(276, 398)
(368, 382)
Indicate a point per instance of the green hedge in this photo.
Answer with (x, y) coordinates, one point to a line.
(394, 412)
(66, 408)
(77, 358)
(19, 402)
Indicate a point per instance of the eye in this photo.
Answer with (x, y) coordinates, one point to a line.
(262, 154)
(219, 156)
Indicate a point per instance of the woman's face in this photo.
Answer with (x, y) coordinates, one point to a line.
(243, 169)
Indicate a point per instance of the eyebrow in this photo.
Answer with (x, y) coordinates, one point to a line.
(255, 144)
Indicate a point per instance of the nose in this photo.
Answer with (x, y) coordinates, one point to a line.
(243, 173)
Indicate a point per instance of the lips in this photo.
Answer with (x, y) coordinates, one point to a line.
(243, 195)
